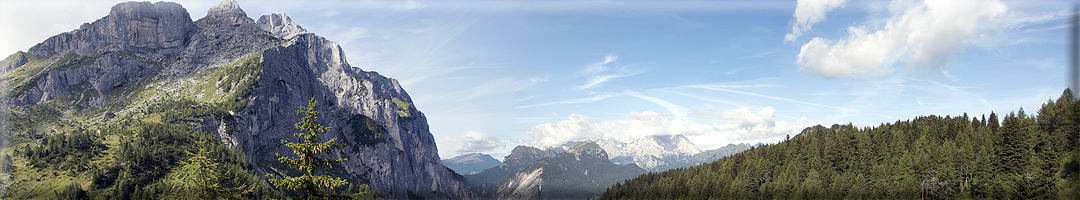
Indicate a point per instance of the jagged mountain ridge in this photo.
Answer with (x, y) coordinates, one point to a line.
(662, 152)
(582, 171)
(518, 159)
(145, 51)
(469, 164)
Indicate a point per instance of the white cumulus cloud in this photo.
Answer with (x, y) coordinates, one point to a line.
(753, 128)
(924, 34)
(577, 127)
(639, 125)
(809, 12)
(479, 142)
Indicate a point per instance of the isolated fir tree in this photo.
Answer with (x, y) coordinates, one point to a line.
(308, 150)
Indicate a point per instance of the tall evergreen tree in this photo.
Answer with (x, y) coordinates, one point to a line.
(308, 160)
(993, 123)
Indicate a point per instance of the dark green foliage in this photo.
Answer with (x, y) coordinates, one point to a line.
(73, 192)
(71, 151)
(28, 122)
(932, 157)
(143, 156)
(5, 164)
(307, 151)
(366, 131)
(239, 81)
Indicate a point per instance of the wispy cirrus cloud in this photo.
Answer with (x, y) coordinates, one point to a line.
(597, 80)
(677, 110)
(596, 72)
(572, 101)
(725, 89)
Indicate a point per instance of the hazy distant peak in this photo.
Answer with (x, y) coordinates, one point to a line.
(229, 12)
(225, 9)
(280, 25)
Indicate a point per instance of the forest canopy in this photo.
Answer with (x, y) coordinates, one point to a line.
(1024, 156)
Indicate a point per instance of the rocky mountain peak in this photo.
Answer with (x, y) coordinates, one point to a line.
(146, 25)
(588, 148)
(163, 27)
(228, 11)
(280, 25)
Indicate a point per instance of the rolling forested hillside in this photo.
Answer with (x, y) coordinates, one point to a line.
(1025, 155)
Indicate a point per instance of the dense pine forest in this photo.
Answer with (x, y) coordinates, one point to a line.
(1024, 156)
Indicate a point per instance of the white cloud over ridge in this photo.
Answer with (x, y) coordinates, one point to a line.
(923, 34)
(752, 128)
(639, 125)
(577, 127)
(479, 142)
(633, 126)
(809, 12)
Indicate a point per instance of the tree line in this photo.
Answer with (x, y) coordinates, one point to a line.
(932, 157)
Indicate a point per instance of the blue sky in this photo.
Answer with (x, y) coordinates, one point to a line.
(491, 75)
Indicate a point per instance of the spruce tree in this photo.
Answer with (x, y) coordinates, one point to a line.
(307, 151)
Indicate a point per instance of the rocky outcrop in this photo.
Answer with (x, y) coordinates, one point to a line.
(224, 35)
(523, 185)
(229, 13)
(519, 159)
(280, 25)
(14, 61)
(406, 163)
(111, 52)
(163, 27)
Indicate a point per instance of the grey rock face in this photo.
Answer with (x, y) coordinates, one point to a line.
(280, 25)
(103, 53)
(12, 62)
(228, 11)
(106, 72)
(310, 66)
(519, 159)
(131, 26)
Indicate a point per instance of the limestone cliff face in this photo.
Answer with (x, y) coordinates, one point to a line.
(405, 163)
(388, 142)
(131, 26)
(100, 53)
(281, 25)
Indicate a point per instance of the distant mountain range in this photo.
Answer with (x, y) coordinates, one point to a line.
(579, 169)
(662, 152)
(578, 172)
(470, 164)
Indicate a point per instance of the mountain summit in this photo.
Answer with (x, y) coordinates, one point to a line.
(247, 76)
(662, 152)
